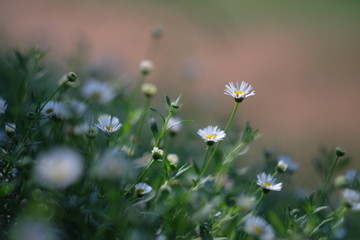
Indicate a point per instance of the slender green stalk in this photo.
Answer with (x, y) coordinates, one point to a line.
(219, 144)
(328, 177)
(164, 128)
(140, 125)
(140, 177)
(206, 164)
(259, 201)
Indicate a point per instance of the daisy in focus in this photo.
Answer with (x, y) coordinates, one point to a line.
(100, 92)
(211, 134)
(3, 105)
(142, 189)
(58, 168)
(108, 124)
(258, 227)
(268, 182)
(239, 92)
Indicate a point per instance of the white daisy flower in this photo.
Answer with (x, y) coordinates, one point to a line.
(352, 198)
(258, 227)
(268, 182)
(3, 105)
(56, 110)
(211, 134)
(142, 189)
(108, 124)
(286, 160)
(100, 92)
(58, 168)
(239, 92)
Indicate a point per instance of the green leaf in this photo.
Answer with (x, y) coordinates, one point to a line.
(154, 128)
(168, 101)
(156, 111)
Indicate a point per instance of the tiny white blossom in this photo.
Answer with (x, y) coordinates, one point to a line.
(97, 91)
(173, 159)
(59, 167)
(211, 134)
(157, 153)
(146, 67)
(3, 105)
(268, 182)
(239, 92)
(55, 109)
(291, 165)
(142, 189)
(352, 199)
(108, 124)
(258, 227)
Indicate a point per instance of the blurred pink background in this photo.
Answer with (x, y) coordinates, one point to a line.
(303, 61)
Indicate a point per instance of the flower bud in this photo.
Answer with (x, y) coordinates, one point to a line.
(157, 31)
(71, 77)
(282, 166)
(149, 89)
(146, 67)
(30, 115)
(340, 182)
(157, 153)
(340, 151)
(173, 159)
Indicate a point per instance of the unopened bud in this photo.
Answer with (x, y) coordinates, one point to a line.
(340, 151)
(146, 67)
(149, 89)
(157, 31)
(282, 166)
(173, 159)
(71, 77)
(157, 153)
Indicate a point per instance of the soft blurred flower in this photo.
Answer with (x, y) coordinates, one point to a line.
(31, 229)
(286, 160)
(173, 159)
(352, 175)
(266, 181)
(77, 107)
(108, 124)
(55, 110)
(3, 105)
(111, 165)
(97, 91)
(246, 203)
(85, 129)
(10, 127)
(142, 189)
(59, 167)
(258, 227)
(239, 92)
(352, 199)
(149, 89)
(157, 153)
(174, 126)
(146, 67)
(211, 134)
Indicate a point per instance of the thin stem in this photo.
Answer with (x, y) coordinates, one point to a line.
(226, 128)
(164, 128)
(259, 201)
(206, 164)
(326, 181)
(141, 176)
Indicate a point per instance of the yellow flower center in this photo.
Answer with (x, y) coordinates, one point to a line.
(258, 229)
(239, 93)
(267, 184)
(139, 191)
(210, 136)
(108, 127)
(49, 111)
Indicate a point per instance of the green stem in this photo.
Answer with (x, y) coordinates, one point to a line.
(328, 177)
(206, 164)
(226, 128)
(141, 176)
(259, 201)
(164, 128)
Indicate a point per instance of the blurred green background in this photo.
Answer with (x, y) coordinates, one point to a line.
(303, 59)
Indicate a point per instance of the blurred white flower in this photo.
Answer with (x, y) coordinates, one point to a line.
(59, 167)
(56, 110)
(174, 126)
(100, 92)
(111, 165)
(246, 203)
(211, 134)
(10, 127)
(146, 67)
(142, 189)
(32, 229)
(3, 105)
(291, 165)
(258, 227)
(108, 124)
(149, 89)
(352, 175)
(268, 182)
(173, 159)
(85, 129)
(77, 107)
(352, 199)
(239, 92)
